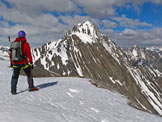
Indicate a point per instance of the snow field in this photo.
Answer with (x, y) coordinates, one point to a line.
(64, 100)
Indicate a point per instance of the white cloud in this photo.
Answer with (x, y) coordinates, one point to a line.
(94, 8)
(107, 8)
(108, 31)
(73, 20)
(24, 10)
(28, 15)
(13, 14)
(108, 24)
(156, 1)
(130, 37)
(35, 7)
(129, 33)
(45, 28)
(98, 8)
(127, 22)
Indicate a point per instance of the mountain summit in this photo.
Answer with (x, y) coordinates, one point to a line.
(86, 28)
(87, 32)
(85, 52)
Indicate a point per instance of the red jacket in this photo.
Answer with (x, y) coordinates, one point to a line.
(25, 51)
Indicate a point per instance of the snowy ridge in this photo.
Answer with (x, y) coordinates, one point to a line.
(64, 100)
(50, 50)
(148, 88)
(84, 52)
(111, 48)
(135, 53)
(61, 51)
(146, 57)
(37, 52)
(85, 38)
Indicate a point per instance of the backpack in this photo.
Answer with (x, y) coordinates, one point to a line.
(16, 51)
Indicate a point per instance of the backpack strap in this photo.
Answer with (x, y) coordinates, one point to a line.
(22, 42)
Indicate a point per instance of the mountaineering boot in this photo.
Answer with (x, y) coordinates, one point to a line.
(13, 92)
(33, 89)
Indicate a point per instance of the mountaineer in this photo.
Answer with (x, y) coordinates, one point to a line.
(21, 58)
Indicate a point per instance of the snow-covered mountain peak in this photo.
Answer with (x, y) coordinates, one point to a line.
(135, 46)
(86, 29)
(136, 52)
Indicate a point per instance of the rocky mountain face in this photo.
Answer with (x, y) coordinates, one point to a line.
(85, 52)
(145, 56)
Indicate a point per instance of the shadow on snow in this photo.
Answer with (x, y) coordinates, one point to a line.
(45, 85)
(41, 86)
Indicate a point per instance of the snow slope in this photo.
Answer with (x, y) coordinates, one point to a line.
(64, 100)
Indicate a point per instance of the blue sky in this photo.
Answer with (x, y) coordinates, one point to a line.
(127, 22)
(148, 12)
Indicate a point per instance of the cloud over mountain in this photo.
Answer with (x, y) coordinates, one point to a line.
(50, 19)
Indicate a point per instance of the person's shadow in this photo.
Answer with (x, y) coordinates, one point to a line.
(41, 86)
(45, 85)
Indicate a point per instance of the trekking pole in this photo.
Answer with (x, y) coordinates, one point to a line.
(9, 39)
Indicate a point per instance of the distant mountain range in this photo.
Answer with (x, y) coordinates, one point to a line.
(4, 53)
(85, 52)
(146, 56)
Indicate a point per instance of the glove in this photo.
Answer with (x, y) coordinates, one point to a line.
(31, 65)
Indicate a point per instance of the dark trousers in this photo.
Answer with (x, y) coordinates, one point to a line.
(15, 76)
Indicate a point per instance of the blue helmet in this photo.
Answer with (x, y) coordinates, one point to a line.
(21, 34)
